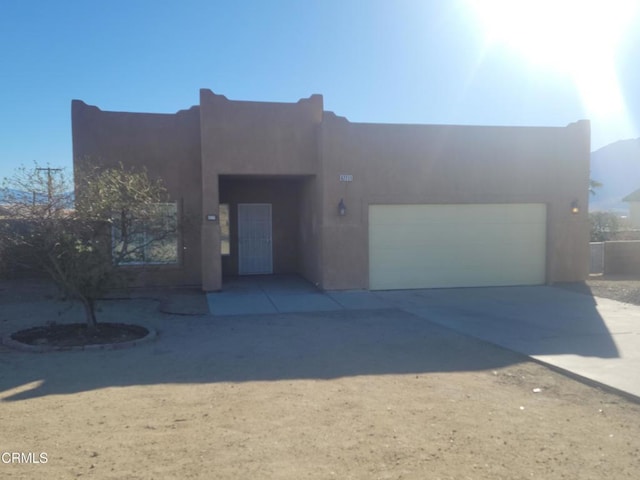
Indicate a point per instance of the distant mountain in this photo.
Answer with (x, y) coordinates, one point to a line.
(29, 197)
(617, 167)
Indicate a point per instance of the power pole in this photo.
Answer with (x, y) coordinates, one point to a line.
(49, 180)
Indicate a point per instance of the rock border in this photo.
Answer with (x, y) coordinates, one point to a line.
(7, 341)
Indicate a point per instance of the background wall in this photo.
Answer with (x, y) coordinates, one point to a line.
(622, 258)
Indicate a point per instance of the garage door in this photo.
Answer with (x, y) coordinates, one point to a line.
(433, 246)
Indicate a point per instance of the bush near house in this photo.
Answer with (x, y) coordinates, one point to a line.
(81, 247)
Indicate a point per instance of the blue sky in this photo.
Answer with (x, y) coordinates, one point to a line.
(394, 61)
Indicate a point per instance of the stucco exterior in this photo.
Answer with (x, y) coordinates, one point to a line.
(292, 155)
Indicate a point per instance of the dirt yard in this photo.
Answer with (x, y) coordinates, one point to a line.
(365, 395)
(622, 288)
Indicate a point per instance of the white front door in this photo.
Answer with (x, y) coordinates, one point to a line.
(254, 239)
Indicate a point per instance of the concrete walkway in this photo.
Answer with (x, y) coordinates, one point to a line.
(285, 294)
(594, 338)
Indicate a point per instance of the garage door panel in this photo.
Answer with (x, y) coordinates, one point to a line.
(430, 246)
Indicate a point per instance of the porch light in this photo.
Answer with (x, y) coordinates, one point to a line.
(574, 207)
(342, 208)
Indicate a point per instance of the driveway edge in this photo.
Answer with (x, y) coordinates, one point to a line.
(586, 380)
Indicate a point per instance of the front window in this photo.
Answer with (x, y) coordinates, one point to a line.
(149, 237)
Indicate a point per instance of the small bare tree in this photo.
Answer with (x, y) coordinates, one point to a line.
(81, 245)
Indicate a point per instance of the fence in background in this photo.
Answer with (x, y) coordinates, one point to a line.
(597, 257)
(615, 257)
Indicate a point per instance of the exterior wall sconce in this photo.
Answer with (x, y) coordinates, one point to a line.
(574, 207)
(342, 208)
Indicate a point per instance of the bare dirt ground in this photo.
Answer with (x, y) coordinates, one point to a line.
(364, 395)
(622, 288)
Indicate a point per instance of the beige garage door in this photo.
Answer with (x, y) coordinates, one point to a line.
(433, 246)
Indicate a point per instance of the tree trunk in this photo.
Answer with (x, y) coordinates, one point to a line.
(90, 313)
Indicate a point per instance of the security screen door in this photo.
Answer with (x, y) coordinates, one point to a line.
(254, 239)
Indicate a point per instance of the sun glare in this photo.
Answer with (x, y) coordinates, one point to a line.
(579, 38)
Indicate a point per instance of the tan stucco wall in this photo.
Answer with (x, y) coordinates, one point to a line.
(251, 138)
(428, 164)
(168, 146)
(310, 246)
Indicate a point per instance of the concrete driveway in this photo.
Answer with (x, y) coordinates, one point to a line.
(594, 338)
(590, 337)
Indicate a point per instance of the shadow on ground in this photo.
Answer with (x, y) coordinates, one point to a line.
(257, 348)
(419, 338)
(532, 320)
